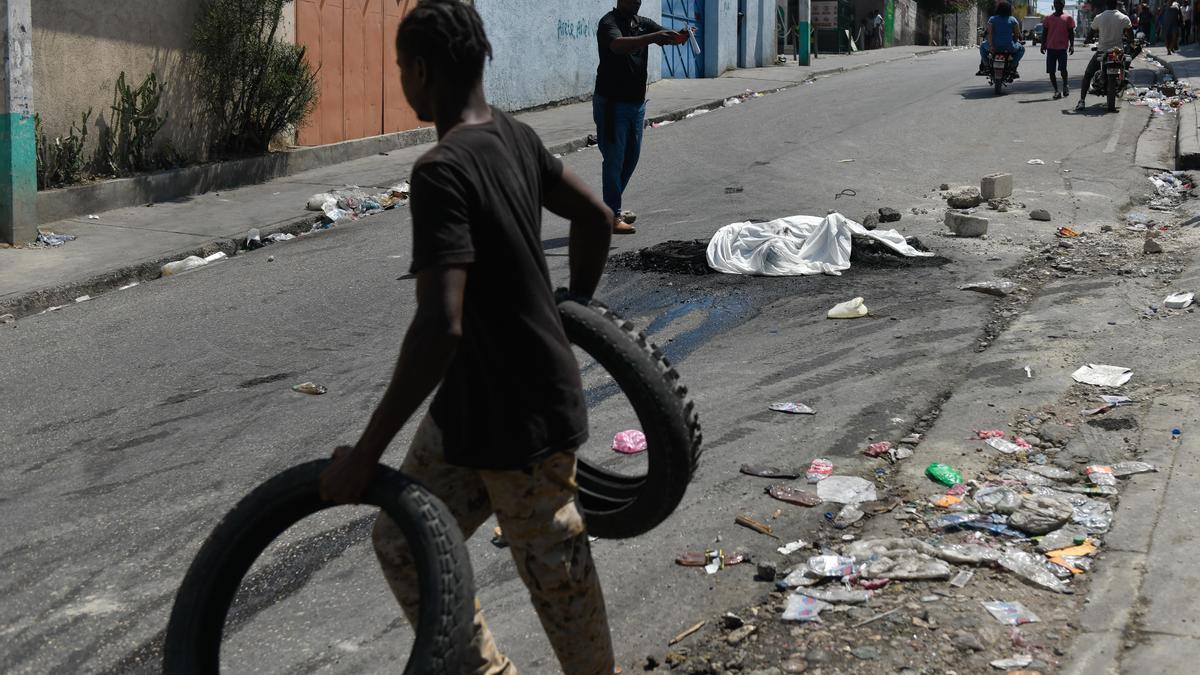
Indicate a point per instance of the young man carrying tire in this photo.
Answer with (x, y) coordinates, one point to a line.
(501, 433)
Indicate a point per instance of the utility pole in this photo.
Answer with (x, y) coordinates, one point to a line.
(18, 144)
(804, 33)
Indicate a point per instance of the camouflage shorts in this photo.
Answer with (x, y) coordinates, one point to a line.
(537, 513)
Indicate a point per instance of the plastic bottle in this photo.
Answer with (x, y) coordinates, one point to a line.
(179, 266)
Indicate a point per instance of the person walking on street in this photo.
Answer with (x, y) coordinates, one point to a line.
(619, 101)
(877, 23)
(1146, 22)
(1112, 26)
(487, 318)
(1172, 24)
(1058, 41)
(1186, 15)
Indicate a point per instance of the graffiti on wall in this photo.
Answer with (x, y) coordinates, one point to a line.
(575, 30)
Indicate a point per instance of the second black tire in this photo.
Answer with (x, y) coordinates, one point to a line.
(618, 506)
(447, 589)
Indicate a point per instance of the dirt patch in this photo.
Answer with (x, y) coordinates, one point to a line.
(1114, 423)
(670, 257)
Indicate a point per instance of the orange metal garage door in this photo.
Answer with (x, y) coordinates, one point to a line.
(353, 43)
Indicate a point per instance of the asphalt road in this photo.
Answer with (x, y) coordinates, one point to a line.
(132, 422)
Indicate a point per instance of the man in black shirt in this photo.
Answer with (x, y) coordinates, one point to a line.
(619, 103)
(501, 433)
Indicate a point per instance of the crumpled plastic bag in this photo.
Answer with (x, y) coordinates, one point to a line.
(836, 595)
(629, 442)
(1041, 514)
(893, 547)
(846, 490)
(997, 499)
(803, 608)
(1032, 568)
(1093, 514)
(906, 566)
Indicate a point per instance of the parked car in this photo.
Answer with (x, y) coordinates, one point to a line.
(1034, 35)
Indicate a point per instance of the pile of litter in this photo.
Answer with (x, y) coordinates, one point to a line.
(50, 239)
(799, 245)
(1171, 189)
(355, 202)
(1162, 99)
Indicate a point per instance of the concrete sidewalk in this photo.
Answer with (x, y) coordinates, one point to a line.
(132, 243)
(1185, 66)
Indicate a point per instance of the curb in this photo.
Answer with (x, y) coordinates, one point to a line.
(33, 302)
(1187, 132)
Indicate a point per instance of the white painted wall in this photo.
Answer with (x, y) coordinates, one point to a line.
(758, 34)
(546, 52)
(720, 36)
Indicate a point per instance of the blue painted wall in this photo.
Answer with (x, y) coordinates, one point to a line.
(720, 36)
(546, 52)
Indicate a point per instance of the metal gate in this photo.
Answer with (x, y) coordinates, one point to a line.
(352, 43)
(678, 60)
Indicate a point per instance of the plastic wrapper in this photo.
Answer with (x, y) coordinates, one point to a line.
(1100, 474)
(1061, 538)
(831, 566)
(819, 470)
(837, 596)
(792, 408)
(1052, 472)
(943, 473)
(1005, 446)
(878, 449)
(1041, 514)
(849, 515)
(1121, 469)
(997, 499)
(1093, 514)
(1010, 613)
(1025, 476)
(846, 490)
(963, 578)
(906, 566)
(629, 442)
(797, 578)
(803, 608)
(793, 495)
(1032, 569)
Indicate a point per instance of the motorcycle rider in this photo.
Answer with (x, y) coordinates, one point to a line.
(1003, 35)
(1113, 27)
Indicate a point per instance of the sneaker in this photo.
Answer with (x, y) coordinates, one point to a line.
(628, 216)
(1066, 91)
(1057, 94)
(622, 227)
(1016, 75)
(982, 70)
(1081, 105)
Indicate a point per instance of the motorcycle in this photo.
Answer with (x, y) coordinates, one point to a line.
(1114, 70)
(1002, 72)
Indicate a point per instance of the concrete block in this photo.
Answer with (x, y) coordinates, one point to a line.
(965, 224)
(996, 186)
(1187, 149)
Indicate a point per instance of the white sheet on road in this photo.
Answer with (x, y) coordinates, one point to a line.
(794, 246)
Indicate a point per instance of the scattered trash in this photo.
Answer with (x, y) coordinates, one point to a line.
(1011, 613)
(1101, 475)
(1179, 300)
(219, 255)
(851, 309)
(732, 101)
(280, 236)
(997, 499)
(793, 408)
(943, 474)
(1122, 469)
(93, 216)
(1102, 376)
(1031, 568)
(792, 495)
(819, 470)
(906, 565)
(846, 490)
(355, 202)
(1005, 446)
(1019, 661)
(629, 442)
(684, 635)
(52, 239)
(985, 434)
(841, 596)
(876, 617)
(1041, 514)
(180, 266)
(845, 161)
(82, 298)
(696, 113)
(769, 472)
(803, 608)
(999, 288)
(310, 388)
(747, 521)
(1035, 162)
(878, 449)
(127, 286)
(963, 578)
(254, 239)
(270, 258)
(1066, 233)
(831, 566)
(946, 501)
(7, 318)
(849, 515)
(792, 547)
(734, 189)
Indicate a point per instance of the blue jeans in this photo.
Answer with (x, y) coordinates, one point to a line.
(1018, 51)
(619, 135)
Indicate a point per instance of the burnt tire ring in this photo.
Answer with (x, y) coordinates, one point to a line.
(447, 589)
(618, 506)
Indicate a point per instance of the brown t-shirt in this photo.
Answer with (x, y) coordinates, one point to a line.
(512, 395)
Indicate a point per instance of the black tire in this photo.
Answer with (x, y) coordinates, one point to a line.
(618, 506)
(444, 629)
(1110, 91)
(999, 86)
